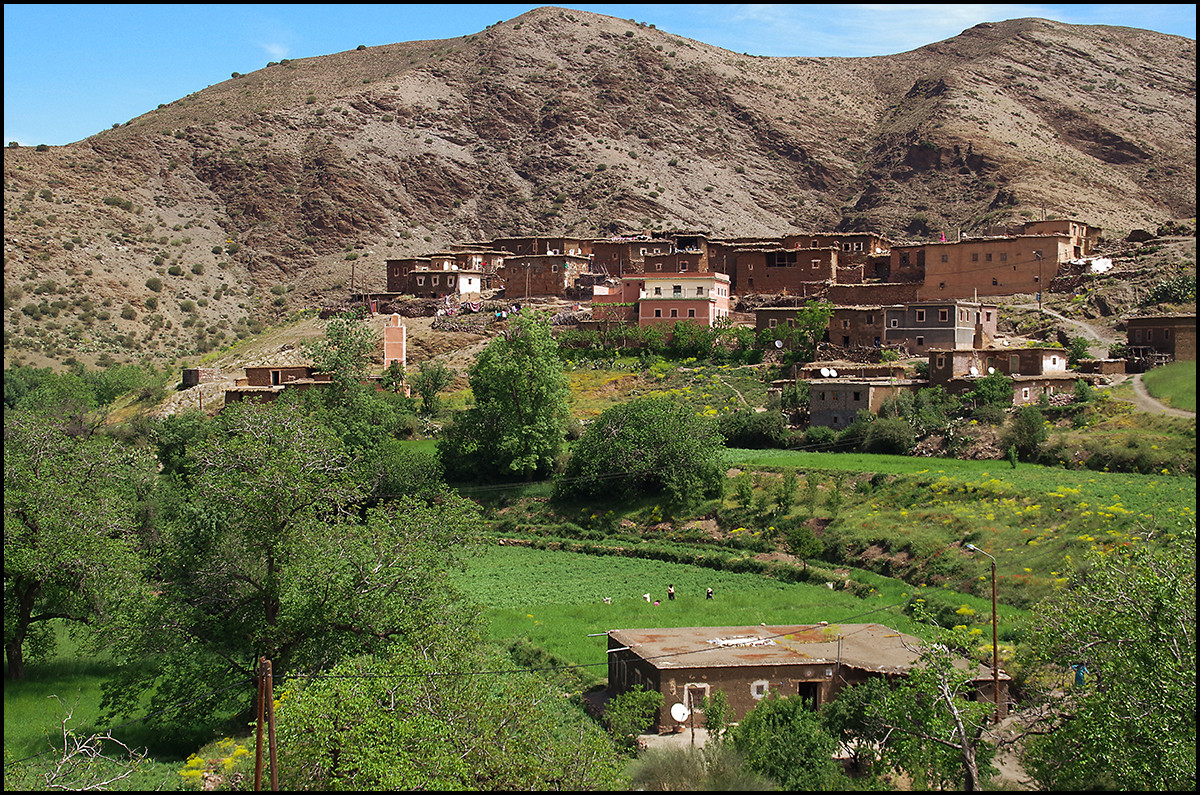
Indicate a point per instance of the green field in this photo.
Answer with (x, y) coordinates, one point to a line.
(1174, 384)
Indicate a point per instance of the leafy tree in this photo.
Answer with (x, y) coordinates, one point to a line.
(432, 377)
(752, 429)
(631, 714)
(715, 707)
(783, 738)
(345, 352)
(70, 546)
(802, 541)
(850, 719)
(420, 717)
(393, 377)
(1078, 350)
(1129, 620)
(268, 553)
(892, 436)
(994, 389)
(1027, 432)
(811, 323)
(785, 491)
(935, 730)
(715, 767)
(517, 427)
(650, 445)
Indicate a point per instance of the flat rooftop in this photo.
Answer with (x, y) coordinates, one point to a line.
(870, 647)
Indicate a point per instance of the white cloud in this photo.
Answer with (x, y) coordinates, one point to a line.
(276, 50)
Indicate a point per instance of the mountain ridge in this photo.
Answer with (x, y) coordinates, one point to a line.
(310, 172)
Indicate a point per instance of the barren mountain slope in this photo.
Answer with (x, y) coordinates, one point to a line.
(271, 191)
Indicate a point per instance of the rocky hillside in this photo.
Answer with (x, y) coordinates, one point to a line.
(274, 191)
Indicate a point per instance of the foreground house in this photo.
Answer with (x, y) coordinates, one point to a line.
(750, 663)
(1160, 339)
(652, 299)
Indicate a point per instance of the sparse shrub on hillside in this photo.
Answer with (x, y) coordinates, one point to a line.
(154, 283)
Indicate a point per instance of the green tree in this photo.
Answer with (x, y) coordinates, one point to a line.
(994, 389)
(268, 553)
(432, 377)
(631, 714)
(442, 711)
(811, 325)
(801, 541)
(1026, 432)
(1128, 619)
(647, 446)
(935, 728)
(850, 719)
(1077, 350)
(783, 738)
(70, 547)
(345, 352)
(517, 427)
(393, 377)
(785, 491)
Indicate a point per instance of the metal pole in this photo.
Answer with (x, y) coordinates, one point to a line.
(995, 635)
(995, 645)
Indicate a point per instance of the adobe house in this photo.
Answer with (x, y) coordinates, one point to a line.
(790, 271)
(620, 256)
(866, 250)
(834, 402)
(265, 383)
(440, 282)
(1034, 371)
(542, 274)
(1083, 237)
(987, 266)
(751, 663)
(857, 327)
(398, 269)
(940, 324)
(395, 342)
(1173, 337)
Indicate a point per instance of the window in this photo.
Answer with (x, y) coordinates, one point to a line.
(845, 341)
(940, 362)
(920, 340)
(870, 320)
(771, 323)
(822, 396)
(942, 285)
(904, 258)
(658, 266)
(1025, 393)
(895, 322)
(987, 257)
(845, 324)
(1003, 257)
(816, 264)
(691, 313)
(858, 397)
(759, 689)
(792, 322)
(420, 281)
(943, 315)
(845, 247)
(676, 291)
(674, 313)
(987, 316)
(554, 269)
(945, 258)
(858, 246)
(974, 258)
(434, 281)
(658, 313)
(995, 283)
(920, 315)
(816, 244)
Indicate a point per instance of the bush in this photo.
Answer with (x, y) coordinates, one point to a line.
(755, 430)
(154, 283)
(892, 436)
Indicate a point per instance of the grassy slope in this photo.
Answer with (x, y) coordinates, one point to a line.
(1174, 384)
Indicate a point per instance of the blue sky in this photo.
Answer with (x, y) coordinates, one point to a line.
(71, 71)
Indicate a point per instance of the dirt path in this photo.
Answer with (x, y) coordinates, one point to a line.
(1144, 401)
(1098, 342)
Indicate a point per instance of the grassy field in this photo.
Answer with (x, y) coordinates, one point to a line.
(565, 613)
(1174, 384)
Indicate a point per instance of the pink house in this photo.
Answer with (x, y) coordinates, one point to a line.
(651, 299)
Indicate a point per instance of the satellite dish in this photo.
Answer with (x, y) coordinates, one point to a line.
(824, 372)
(680, 712)
(991, 370)
(778, 343)
(974, 371)
(832, 373)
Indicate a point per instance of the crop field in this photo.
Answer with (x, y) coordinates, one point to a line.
(555, 600)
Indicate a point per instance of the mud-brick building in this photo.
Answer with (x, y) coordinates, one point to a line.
(531, 275)
(986, 266)
(926, 325)
(265, 383)
(1083, 238)
(621, 256)
(749, 664)
(775, 270)
(834, 402)
(1034, 371)
(441, 282)
(1162, 338)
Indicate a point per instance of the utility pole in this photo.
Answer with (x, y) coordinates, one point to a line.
(995, 635)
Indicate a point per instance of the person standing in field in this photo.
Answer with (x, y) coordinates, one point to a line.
(671, 593)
